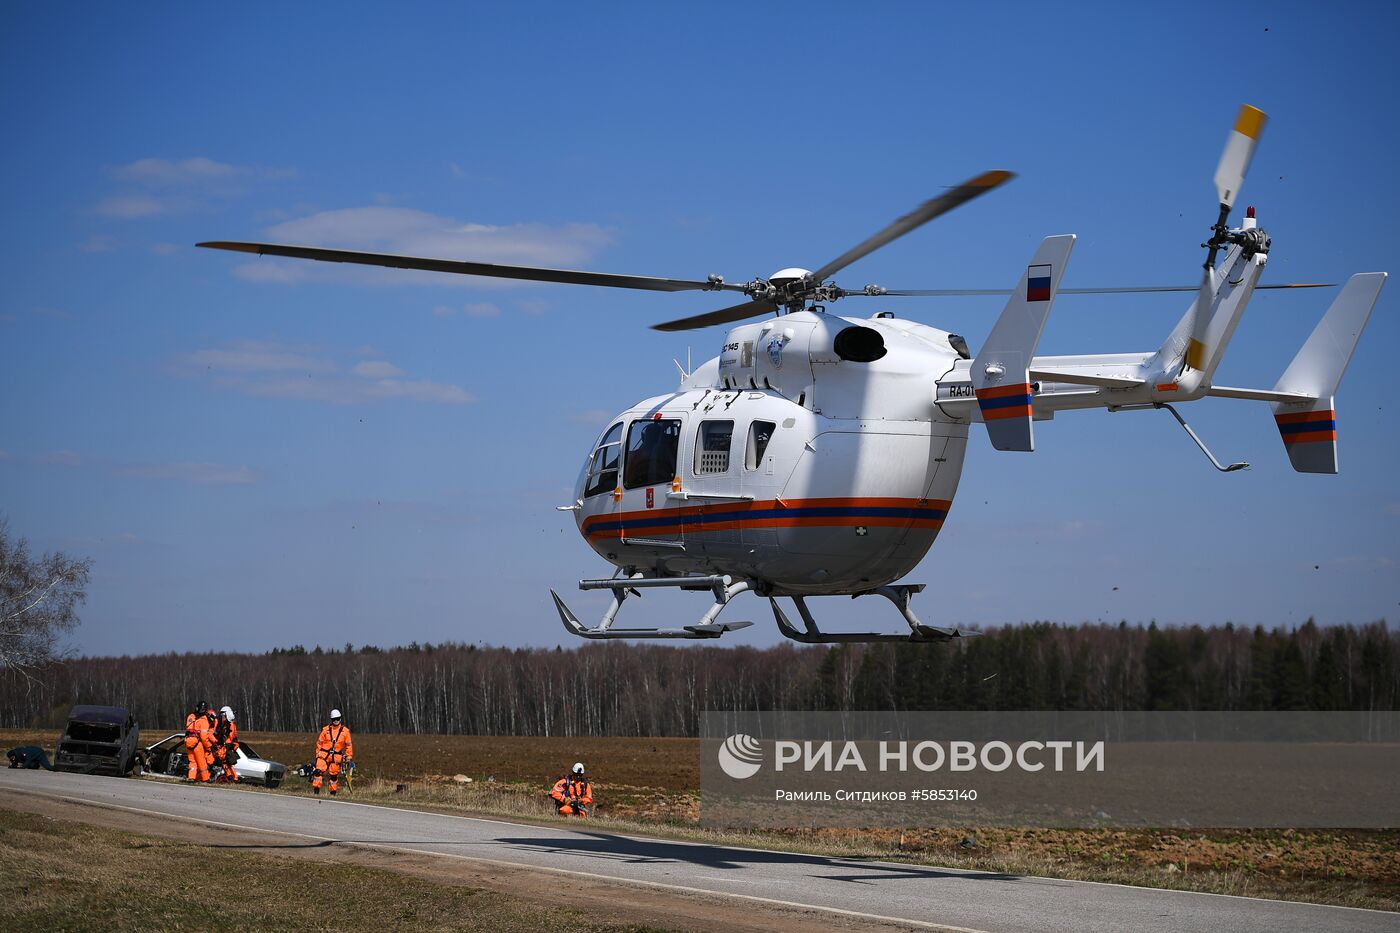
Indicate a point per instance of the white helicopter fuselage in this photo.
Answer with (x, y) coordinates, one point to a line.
(784, 461)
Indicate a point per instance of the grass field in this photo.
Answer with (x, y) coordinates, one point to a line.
(652, 785)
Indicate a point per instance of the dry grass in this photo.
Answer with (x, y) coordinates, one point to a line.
(650, 786)
(56, 874)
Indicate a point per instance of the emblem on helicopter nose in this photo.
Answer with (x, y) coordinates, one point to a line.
(775, 352)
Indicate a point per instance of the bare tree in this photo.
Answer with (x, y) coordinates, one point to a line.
(39, 599)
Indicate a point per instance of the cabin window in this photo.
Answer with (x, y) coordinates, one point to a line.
(651, 452)
(602, 468)
(760, 433)
(712, 444)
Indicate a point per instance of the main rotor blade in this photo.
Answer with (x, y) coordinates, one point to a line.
(917, 218)
(1126, 290)
(722, 316)
(1239, 150)
(494, 270)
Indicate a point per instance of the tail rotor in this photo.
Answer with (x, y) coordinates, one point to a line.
(1229, 176)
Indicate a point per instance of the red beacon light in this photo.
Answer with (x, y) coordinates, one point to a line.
(1249, 212)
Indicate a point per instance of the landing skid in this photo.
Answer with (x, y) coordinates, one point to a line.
(899, 595)
(725, 588)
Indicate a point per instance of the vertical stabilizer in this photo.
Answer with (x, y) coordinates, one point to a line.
(1000, 373)
(1309, 429)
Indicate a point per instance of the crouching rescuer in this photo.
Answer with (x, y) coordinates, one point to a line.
(333, 751)
(573, 793)
(226, 744)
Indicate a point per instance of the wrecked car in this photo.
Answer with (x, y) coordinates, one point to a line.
(98, 740)
(168, 759)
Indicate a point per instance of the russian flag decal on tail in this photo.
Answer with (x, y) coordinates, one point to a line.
(1038, 283)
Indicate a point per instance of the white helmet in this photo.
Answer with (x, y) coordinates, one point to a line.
(578, 767)
(335, 714)
(228, 712)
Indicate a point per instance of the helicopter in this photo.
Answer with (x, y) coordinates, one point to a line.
(819, 455)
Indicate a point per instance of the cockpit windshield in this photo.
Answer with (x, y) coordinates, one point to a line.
(651, 452)
(602, 467)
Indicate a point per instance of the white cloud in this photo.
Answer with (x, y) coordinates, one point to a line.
(376, 369)
(195, 171)
(270, 370)
(198, 473)
(408, 232)
(167, 186)
(68, 458)
(250, 356)
(131, 206)
(98, 244)
(57, 314)
(471, 309)
(167, 172)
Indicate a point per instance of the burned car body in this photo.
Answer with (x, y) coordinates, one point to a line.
(98, 740)
(168, 758)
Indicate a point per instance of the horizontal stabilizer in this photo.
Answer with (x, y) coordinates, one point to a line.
(1000, 373)
(1085, 379)
(1259, 395)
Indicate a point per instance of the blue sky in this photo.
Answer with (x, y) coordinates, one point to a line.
(260, 453)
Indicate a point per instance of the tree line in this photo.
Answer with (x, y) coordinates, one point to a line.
(640, 689)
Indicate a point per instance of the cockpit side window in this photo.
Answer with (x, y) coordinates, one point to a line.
(712, 444)
(651, 452)
(760, 433)
(602, 467)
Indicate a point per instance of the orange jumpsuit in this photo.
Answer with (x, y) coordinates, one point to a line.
(226, 747)
(199, 741)
(574, 795)
(333, 747)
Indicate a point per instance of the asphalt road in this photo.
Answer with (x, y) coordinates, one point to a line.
(913, 894)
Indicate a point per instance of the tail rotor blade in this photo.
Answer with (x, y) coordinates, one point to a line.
(1200, 322)
(1239, 150)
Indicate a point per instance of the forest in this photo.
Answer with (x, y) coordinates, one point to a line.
(622, 689)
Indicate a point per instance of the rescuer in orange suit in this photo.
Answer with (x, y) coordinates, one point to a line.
(573, 793)
(333, 749)
(226, 744)
(198, 739)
